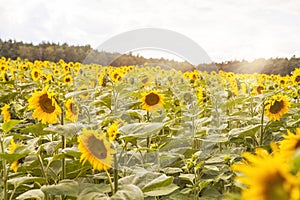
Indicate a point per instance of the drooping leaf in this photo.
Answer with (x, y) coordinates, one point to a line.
(7, 126)
(128, 192)
(64, 187)
(32, 194)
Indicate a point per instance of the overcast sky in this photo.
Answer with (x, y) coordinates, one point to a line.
(225, 29)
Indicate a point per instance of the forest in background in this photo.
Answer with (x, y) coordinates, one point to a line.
(86, 54)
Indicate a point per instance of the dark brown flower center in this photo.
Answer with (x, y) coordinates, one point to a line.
(96, 147)
(73, 109)
(275, 187)
(36, 74)
(259, 89)
(46, 104)
(297, 79)
(152, 99)
(276, 107)
(116, 76)
(297, 145)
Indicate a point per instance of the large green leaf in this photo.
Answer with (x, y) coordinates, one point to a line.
(36, 129)
(141, 130)
(93, 192)
(7, 126)
(245, 131)
(18, 181)
(158, 182)
(32, 194)
(128, 192)
(68, 130)
(64, 187)
(76, 93)
(12, 157)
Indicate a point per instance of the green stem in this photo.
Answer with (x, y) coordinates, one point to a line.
(63, 161)
(110, 181)
(42, 167)
(4, 171)
(262, 125)
(148, 116)
(116, 173)
(63, 146)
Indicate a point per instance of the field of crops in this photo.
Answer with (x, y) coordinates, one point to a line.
(73, 131)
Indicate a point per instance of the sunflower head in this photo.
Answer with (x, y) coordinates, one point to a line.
(72, 110)
(5, 113)
(36, 74)
(14, 166)
(45, 106)
(276, 107)
(113, 132)
(290, 143)
(152, 100)
(266, 177)
(96, 149)
(68, 79)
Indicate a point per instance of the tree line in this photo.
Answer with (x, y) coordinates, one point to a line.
(86, 54)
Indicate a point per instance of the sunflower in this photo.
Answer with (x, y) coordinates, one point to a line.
(259, 89)
(96, 149)
(68, 79)
(4, 77)
(36, 74)
(266, 177)
(14, 166)
(290, 143)
(112, 131)
(116, 75)
(101, 80)
(72, 110)
(5, 113)
(276, 107)
(45, 107)
(152, 100)
(56, 72)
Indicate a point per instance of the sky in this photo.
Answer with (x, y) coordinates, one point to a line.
(225, 29)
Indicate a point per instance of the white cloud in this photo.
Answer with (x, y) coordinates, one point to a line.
(227, 30)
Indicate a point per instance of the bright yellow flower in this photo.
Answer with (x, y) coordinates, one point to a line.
(72, 110)
(68, 79)
(45, 107)
(152, 100)
(14, 166)
(96, 149)
(113, 131)
(5, 113)
(266, 177)
(276, 107)
(36, 74)
(290, 143)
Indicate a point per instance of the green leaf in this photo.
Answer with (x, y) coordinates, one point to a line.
(23, 180)
(7, 126)
(68, 130)
(12, 157)
(64, 187)
(141, 130)
(76, 93)
(36, 129)
(128, 192)
(92, 192)
(187, 177)
(245, 131)
(163, 190)
(32, 194)
(158, 182)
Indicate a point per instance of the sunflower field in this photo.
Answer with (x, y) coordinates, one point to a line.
(83, 131)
